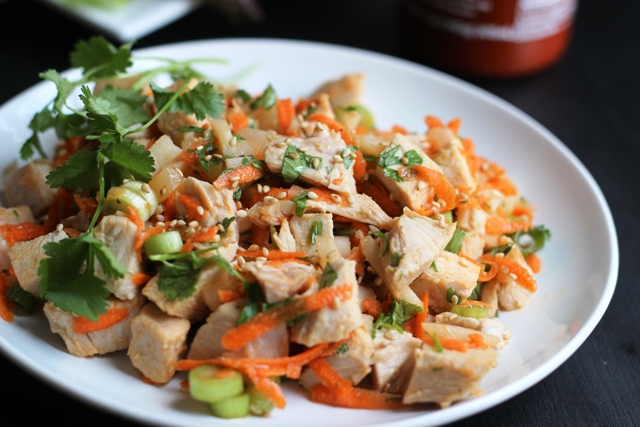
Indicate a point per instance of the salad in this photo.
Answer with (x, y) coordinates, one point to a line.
(252, 239)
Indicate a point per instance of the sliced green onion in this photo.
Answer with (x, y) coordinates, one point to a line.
(136, 194)
(259, 405)
(470, 311)
(436, 343)
(210, 383)
(163, 243)
(23, 298)
(232, 407)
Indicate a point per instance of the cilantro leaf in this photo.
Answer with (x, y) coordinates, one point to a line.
(455, 244)
(255, 302)
(202, 101)
(80, 172)
(532, 240)
(329, 276)
(101, 114)
(301, 202)
(413, 158)
(294, 164)
(127, 105)
(68, 277)
(126, 159)
(348, 160)
(316, 230)
(399, 312)
(99, 58)
(177, 280)
(265, 101)
(395, 259)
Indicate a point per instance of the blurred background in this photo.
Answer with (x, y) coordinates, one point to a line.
(583, 87)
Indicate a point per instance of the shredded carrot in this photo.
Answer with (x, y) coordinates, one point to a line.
(454, 125)
(191, 204)
(134, 217)
(357, 255)
(286, 113)
(335, 390)
(380, 195)
(140, 278)
(82, 325)
(523, 277)
(72, 232)
(394, 130)
(447, 343)
(332, 124)
(187, 246)
(228, 295)
(86, 204)
(485, 276)
(6, 304)
(432, 122)
(534, 262)
(371, 306)
(63, 206)
(476, 341)
(241, 175)
(205, 236)
(169, 211)
(260, 236)
(273, 254)
(421, 317)
(191, 156)
(440, 184)
(359, 166)
(14, 233)
(238, 120)
(238, 337)
(145, 234)
(502, 225)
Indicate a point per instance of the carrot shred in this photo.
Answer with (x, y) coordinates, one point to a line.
(86, 204)
(82, 325)
(380, 195)
(63, 206)
(134, 217)
(359, 166)
(447, 343)
(476, 341)
(145, 234)
(273, 254)
(421, 317)
(244, 174)
(6, 304)
(372, 307)
(286, 112)
(140, 278)
(485, 276)
(14, 233)
(332, 124)
(432, 122)
(523, 277)
(335, 390)
(534, 262)
(260, 236)
(191, 204)
(238, 120)
(238, 337)
(440, 184)
(205, 236)
(169, 211)
(454, 125)
(227, 295)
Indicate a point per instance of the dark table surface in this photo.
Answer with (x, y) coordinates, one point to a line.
(590, 100)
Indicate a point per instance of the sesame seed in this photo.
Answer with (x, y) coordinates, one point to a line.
(190, 232)
(235, 178)
(199, 148)
(173, 223)
(281, 195)
(261, 259)
(336, 198)
(145, 187)
(159, 210)
(312, 195)
(370, 269)
(454, 299)
(463, 262)
(200, 210)
(265, 251)
(59, 227)
(124, 181)
(436, 204)
(315, 163)
(216, 238)
(513, 276)
(208, 157)
(217, 156)
(294, 156)
(179, 172)
(303, 148)
(194, 224)
(233, 141)
(241, 213)
(265, 189)
(338, 159)
(254, 247)
(443, 203)
(377, 282)
(163, 192)
(346, 152)
(270, 200)
(160, 224)
(404, 160)
(421, 185)
(181, 223)
(336, 303)
(260, 188)
(160, 218)
(281, 144)
(499, 254)
(241, 261)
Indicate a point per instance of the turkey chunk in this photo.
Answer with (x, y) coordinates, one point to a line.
(280, 280)
(486, 326)
(157, 341)
(25, 258)
(393, 359)
(333, 323)
(313, 234)
(414, 242)
(412, 193)
(344, 91)
(114, 338)
(28, 186)
(324, 160)
(119, 234)
(455, 166)
(449, 376)
(206, 343)
(11, 216)
(448, 270)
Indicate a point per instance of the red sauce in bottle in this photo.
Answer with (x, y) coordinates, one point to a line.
(489, 38)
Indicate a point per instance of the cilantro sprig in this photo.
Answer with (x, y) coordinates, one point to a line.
(399, 313)
(389, 160)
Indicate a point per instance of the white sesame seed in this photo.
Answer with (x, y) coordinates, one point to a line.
(265, 189)
(303, 148)
(233, 141)
(160, 224)
(338, 159)
(265, 251)
(208, 158)
(443, 203)
(235, 178)
(124, 181)
(336, 198)
(463, 262)
(281, 144)
(441, 221)
(377, 281)
(260, 188)
(336, 303)
(513, 276)
(499, 254)
(421, 185)
(200, 210)
(163, 191)
(217, 156)
(436, 204)
(199, 148)
(281, 195)
(145, 187)
(241, 261)
(315, 162)
(270, 200)
(404, 160)
(294, 155)
(160, 218)
(261, 259)
(173, 223)
(254, 247)
(59, 227)
(194, 224)
(346, 152)
(370, 269)
(454, 299)
(190, 232)
(216, 238)
(312, 195)
(179, 172)
(241, 213)
(159, 210)
(181, 223)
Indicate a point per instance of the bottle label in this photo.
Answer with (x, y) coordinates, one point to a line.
(519, 21)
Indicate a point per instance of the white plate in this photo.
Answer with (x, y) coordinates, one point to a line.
(580, 263)
(132, 20)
